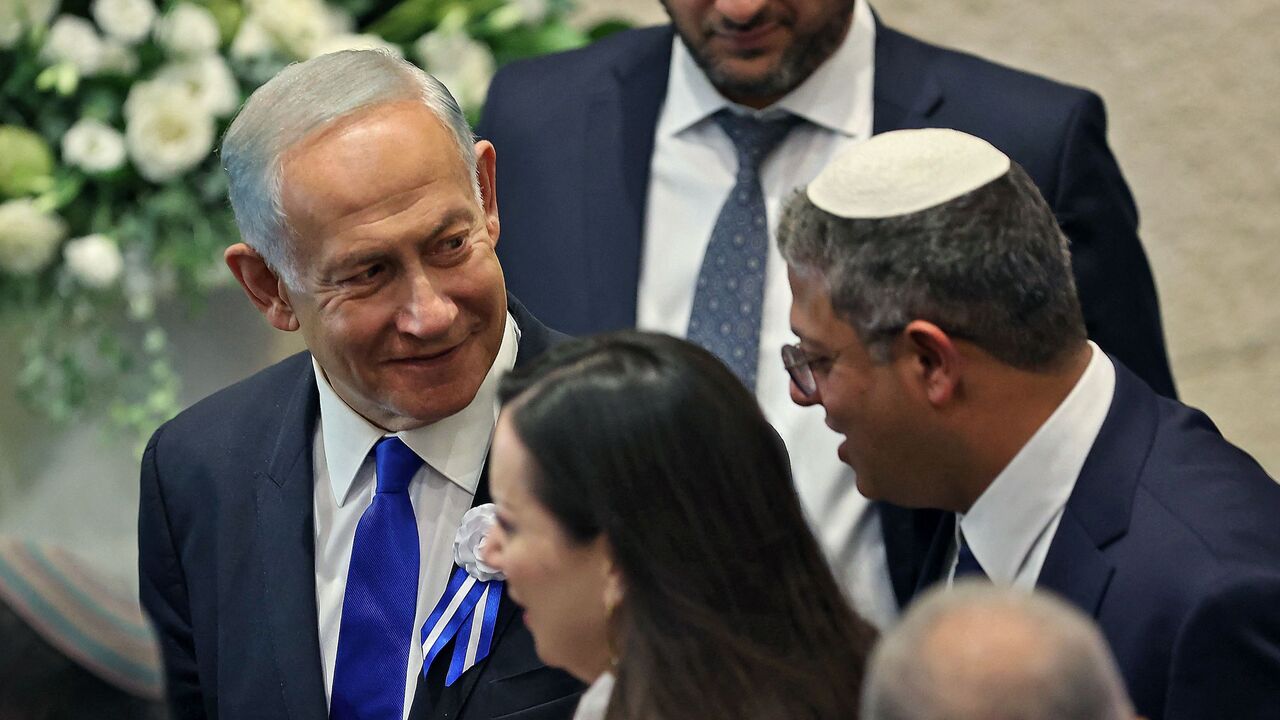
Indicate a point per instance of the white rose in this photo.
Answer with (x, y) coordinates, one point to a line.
(29, 236)
(297, 25)
(462, 64)
(188, 30)
(17, 16)
(251, 40)
(94, 260)
(468, 544)
(128, 21)
(118, 58)
(74, 40)
(165, 132)
(209, 82)
(337, 43)
(93, 146)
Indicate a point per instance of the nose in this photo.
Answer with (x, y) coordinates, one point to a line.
(739, 11)
(428, 312)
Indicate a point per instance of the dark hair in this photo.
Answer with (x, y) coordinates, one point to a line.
(991, 266)
(39, 682)
(731, 610)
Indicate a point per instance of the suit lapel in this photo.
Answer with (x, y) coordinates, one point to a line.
(906, 92)
(451, 699)
(285, 529)
(933, 564)
(1100, 506)
(620, 121)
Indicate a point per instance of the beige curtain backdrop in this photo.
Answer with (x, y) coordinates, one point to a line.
(1194, 96)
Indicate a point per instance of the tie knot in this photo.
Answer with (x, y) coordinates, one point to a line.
(395, 464)
(753, 138)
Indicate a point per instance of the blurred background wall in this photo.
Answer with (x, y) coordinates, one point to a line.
(1194, 98)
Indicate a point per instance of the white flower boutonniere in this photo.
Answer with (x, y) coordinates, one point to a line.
(468, 544)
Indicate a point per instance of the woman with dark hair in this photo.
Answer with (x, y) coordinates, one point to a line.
(647, 523)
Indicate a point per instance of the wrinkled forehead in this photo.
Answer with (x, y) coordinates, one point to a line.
(371, 158)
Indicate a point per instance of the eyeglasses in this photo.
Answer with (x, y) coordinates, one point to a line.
(799, 365)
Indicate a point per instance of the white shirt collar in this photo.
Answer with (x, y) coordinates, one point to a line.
(824, 98)
(1009, 520)
(456, 446)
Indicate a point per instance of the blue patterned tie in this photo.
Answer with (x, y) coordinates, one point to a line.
(381, 596)
(967, 565)
(730, 294)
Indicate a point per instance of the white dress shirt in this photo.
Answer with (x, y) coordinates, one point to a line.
(692, 171)
(595, 701)
(1011, 525)
(454, 450)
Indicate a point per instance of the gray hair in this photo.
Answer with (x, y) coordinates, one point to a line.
(299, 100)
(977, 652)
(991, 267)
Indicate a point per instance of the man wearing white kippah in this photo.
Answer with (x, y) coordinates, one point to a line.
(642, 178)
(941, 333)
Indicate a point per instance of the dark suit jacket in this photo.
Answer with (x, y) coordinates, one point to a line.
(226, 555)
(575, 131)
(1171, 541)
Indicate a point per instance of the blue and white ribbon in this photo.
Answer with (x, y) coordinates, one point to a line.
(467, 613)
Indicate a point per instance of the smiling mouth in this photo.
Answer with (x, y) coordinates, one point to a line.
(435, 358)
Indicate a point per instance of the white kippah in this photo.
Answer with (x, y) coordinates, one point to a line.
(905, 171)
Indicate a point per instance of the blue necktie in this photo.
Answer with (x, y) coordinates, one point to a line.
(381, 596)
(967, 565)
(730, 294)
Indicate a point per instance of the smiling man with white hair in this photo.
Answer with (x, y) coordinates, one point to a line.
(941, 333)
(297, 530)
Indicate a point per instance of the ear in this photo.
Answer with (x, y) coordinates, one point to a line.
(614, 584)
(265, 289)
(933, 361)
(486, 175)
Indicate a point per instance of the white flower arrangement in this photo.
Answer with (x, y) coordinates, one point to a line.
(108, 121)
(94, 260)
(128, 21)
(188, 29)
(74, 40)
(93, 146)
(29, 236)
(464, 65)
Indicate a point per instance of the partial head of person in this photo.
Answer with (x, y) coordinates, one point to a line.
(934, 301)
(72, 647)
(756, 51)
(978, 652)
(369, 222)
(649, 526)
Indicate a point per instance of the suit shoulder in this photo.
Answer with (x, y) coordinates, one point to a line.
(987, 82)
(575, 69)
(230, 413)
(1211, 489)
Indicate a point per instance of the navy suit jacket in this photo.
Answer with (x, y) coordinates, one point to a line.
(1171, 542)
(226, 554)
